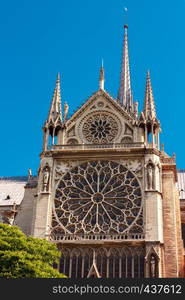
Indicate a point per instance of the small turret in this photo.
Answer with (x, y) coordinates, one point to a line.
(148, 117)
(149, 105)
(53, 125)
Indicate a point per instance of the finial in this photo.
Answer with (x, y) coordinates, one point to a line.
(174, 155)
(102, 77)
(102, 64)
(58, 76)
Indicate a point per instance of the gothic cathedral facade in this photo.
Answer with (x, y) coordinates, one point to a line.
(106, 191)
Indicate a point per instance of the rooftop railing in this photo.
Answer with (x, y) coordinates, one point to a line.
(97, 237)
(96, 146)
(168, 160)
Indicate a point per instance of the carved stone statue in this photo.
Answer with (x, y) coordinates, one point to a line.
(29, 173)
(45, 178)
(150, 177)
(152, 267)
(66, 109)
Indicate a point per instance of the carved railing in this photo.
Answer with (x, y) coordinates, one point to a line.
(96, 146)
(168, 160)
(97, 237)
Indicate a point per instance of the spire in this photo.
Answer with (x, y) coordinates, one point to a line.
(125, 94)
(102, 77)
(149, 105)
(55, 112)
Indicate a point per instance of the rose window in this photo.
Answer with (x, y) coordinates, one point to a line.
(99, 197)
(100, 128)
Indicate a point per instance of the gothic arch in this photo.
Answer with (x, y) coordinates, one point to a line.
(152, 263)
(106, 262)
(127, 139)
(72, 141)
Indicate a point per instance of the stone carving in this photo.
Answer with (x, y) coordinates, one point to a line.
(150, 177)
(46, 173)
(100, 104)
(66, 109)
(135, 166)
(152, 266)
(72, 141)
(127, 139)
(71, 132)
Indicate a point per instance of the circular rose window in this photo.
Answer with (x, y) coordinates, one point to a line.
(99, 197)
(100, 128)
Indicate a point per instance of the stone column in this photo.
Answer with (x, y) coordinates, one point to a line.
(43, 207)
(146, 136)
(153, 138)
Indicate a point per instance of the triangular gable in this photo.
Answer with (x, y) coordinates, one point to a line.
(150, 252)
(90, 101)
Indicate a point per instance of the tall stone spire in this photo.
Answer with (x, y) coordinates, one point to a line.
(149, 104)
(102, 77)
(55, 112)
(125, 93)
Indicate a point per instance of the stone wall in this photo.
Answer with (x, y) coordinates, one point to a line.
(172, 231)
(24, 218)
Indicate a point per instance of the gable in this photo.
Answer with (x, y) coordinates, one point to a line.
(100, 120)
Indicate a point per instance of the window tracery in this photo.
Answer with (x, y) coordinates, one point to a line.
(111, 262)
(100, 128)
(98, 197)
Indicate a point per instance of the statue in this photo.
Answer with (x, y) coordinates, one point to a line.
(66, 108)
(45, 178)
(150, 177)
(29, 173)
(152, 267)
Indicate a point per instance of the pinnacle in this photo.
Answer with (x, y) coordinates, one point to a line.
(149, 104)
(55, 112)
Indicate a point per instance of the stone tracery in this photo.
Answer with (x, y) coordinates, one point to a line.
(98, 197)
(100, 128)
(111, 262)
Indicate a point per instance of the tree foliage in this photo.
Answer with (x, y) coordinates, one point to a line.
(22, 256)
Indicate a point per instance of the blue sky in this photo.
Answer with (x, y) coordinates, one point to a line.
(40, 38)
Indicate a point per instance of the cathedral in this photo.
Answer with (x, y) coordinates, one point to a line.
(106, 192)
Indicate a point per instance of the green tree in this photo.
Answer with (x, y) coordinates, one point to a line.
(22, 256)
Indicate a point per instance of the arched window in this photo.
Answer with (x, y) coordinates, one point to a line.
(111, 262)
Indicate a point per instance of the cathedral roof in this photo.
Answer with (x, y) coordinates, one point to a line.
(12, 190)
